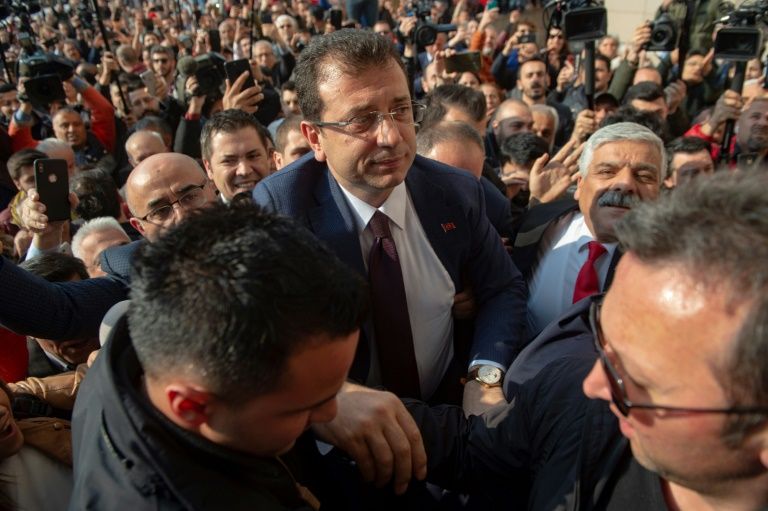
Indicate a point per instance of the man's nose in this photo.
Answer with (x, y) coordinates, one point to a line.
(624, 180)
(388, 134)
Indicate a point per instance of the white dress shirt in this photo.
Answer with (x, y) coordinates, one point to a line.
(429, 289)
(562, 252)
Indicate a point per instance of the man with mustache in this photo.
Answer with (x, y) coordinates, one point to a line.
(567, 249)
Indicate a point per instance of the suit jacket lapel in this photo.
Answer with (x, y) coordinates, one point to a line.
(332, 220)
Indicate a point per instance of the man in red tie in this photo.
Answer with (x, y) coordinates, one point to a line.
(567, 249)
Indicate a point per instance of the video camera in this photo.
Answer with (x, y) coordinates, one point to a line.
(580, 20)
(46, 73)
(664, 34)
(425, 33)
(740, 40)
(208, 68)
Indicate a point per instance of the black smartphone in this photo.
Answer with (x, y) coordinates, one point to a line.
(265, 17)
(52, 184)
(335, 18)
(460, 62)
(149, 25)
(215, 39)
(237, 67)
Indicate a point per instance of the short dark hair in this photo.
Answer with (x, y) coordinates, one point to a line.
(686, 145)
(56, 267)
(7, 87)
(159, 48)
(644, 91)
(439, 99)
(289, 85)
(522, 149)
(292, 123)
(690, 227)
(456, 132)
(97, 194)
(604, 59)
(21, 159)
(233, 307)
(354, 51)
(229, 121)
(650, 120)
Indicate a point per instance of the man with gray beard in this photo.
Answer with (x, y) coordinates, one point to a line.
(567, 249)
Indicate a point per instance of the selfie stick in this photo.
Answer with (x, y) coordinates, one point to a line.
(736, 85)
(103, 31)
(589, 73)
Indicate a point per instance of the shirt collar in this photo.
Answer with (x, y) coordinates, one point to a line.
(393, 207)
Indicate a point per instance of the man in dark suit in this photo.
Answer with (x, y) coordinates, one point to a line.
(567, 249)
(161, 191)
(360, 123)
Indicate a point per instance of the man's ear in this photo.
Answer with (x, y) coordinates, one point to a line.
(136, 224)
(312, 134)
(578, 186)
(277, 157)
(208, 170)
(187, 404)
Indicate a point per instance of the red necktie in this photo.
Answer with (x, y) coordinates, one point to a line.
(394, 339)
(587, 283)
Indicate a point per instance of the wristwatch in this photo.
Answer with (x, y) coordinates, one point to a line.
(486, 375)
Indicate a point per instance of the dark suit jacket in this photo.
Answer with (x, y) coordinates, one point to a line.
(64, 310)
(40, 365)
(451, 209)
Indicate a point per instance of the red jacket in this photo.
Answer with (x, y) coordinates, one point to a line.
(102, 123)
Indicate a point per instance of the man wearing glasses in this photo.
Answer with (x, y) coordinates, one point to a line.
(665, 405)
(417, 229)
(161, 192)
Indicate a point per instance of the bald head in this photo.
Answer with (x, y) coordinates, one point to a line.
(162, 180)
(143, 144)
(512, 116)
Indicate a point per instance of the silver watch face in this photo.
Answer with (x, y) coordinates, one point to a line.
(489, 374)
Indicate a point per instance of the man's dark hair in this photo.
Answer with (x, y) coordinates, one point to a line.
(130, 82)
(604, 59)
(716, 230)
(158, 48)
(292, 123)
(7, 87)
(644, 91)
(686, 145)
(443, 97)
(289, 85)
(454, 132)
(230, 121)
(522, 149)
(353, 51)
(56, 267)
(535, 58)
(650, 120)
(97, 195)
(232, 308)
(154, 123)
(21, 159)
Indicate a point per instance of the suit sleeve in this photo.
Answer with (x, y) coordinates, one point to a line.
(57, 311)
(500, 293)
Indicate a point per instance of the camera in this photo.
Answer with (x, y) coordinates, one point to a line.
(664, 34)
(46, 72)
(425, 33)
(580, 20)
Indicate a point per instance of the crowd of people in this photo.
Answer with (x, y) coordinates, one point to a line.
(370, 255)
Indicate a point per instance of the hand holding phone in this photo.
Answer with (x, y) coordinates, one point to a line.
(234, 69)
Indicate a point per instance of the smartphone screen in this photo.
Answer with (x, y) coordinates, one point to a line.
(460, 62)
(336, 18)
(237, 67)
(214, 37)
(52, 184)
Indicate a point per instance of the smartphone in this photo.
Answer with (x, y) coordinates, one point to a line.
(465, 61)
(52, 184)
(149, 25)
(265, 17)
(235, 68)
(214, 38)
(148, 77)
(335, 18)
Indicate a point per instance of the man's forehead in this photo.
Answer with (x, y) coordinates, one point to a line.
(514, 110)
(246, 135)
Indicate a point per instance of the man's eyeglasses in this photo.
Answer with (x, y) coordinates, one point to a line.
(619, 391)
(411, 113)
(192, 198)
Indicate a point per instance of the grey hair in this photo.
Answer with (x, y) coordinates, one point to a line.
(715, 229)
(546, 109)
(51, 143)
(621, 131)
(102, 223)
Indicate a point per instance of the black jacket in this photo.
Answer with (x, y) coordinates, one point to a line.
(129, 456)
(550, 448)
